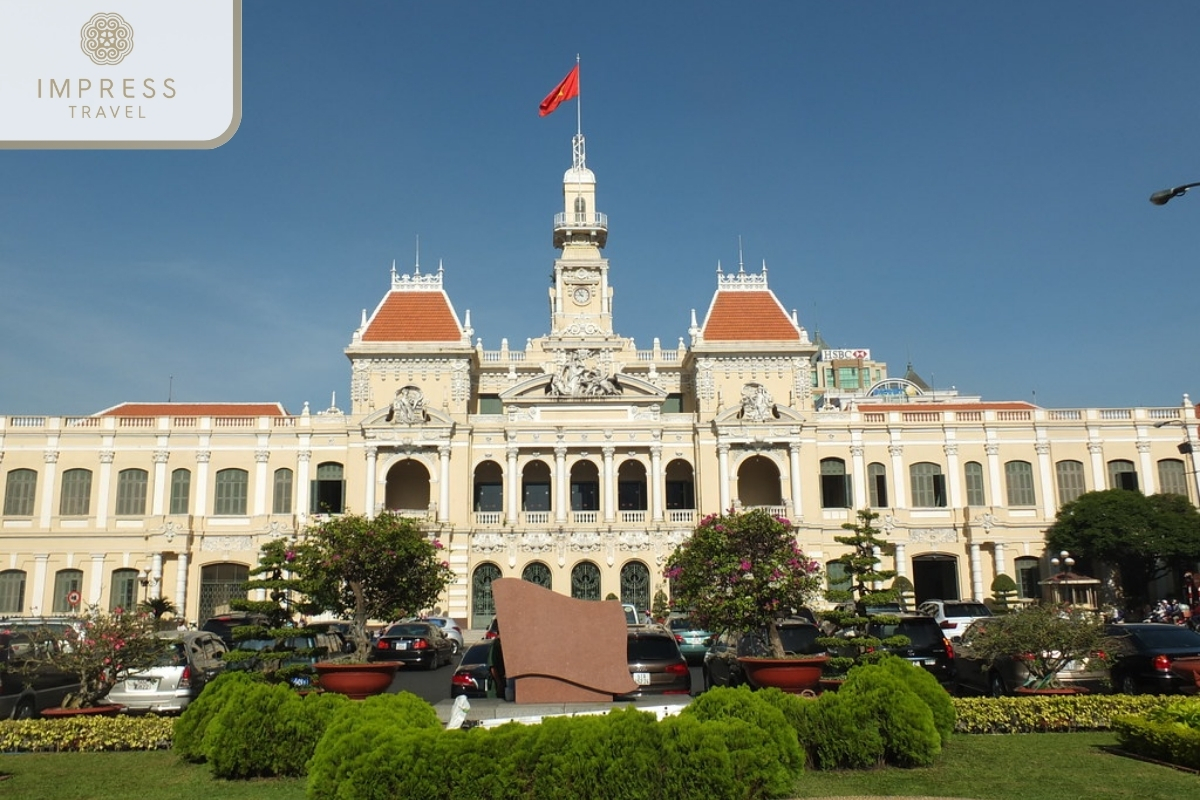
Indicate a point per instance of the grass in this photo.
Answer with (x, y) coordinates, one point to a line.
(1017, 767)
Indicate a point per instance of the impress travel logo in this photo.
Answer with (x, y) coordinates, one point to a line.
(74, 78)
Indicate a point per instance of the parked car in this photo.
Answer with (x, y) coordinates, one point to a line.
(1141, 655)
(655, 663)
(419, 643)
(954, 615)
(692, 639)
(449, 627)
(339, 638)
(194, 658)
(301, 650)
(493, 629)
(632, 617)
(474, 676)
(1001, 677)
(223, 624)
(24, 695)
(927, 645)
(721, 667)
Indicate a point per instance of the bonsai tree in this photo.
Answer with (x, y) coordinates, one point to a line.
(855, 595)
(1045, 635)
(365, 568)
(99, 652)
(661, 607)
(1004, 589)
(742, 571)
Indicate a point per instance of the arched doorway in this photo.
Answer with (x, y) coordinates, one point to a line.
(489, 487)
(631, 486)
(635, 585)
(538, 573)
(585, 581)
(585, 486)
(758, 483)
(935, 577)
(535, 487)
(483, 603)
(681, 486)
(220, 583)
(407, 487)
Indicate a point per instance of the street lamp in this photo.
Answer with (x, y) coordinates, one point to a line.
(1165, 196)
(1184, 447)
(144, 580)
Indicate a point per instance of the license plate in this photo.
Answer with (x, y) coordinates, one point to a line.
(641, 678)
(401, 645)
(917, 662)
(140, 685)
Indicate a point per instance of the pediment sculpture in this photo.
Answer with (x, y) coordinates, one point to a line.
(576, 378)
(757, 405)
(408, 407)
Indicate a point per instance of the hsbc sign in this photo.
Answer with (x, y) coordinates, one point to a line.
(846, 355)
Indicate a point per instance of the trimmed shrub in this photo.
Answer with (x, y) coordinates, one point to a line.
(1049, 714)
(905, 720)
(243, 740)
(691, 748)
(302, 724)
(837, 732)
(86, 734)
(928, 689)
(193, 722)
(760, 712)
(1174, 742)
(1184, 710)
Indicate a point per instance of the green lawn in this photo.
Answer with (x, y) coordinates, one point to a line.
(1021, 767)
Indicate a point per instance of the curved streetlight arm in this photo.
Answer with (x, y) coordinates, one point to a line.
(1166, 195)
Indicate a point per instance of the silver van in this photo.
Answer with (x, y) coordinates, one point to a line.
(192, 660)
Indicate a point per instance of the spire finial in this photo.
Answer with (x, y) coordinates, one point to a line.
(393, 270)
(719, 266)
(741, 266)
(417, 267)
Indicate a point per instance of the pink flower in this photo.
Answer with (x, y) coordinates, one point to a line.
(745, 565)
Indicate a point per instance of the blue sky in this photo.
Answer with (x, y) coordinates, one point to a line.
(962, 185)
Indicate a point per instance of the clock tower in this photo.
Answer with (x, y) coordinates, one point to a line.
(580, 296)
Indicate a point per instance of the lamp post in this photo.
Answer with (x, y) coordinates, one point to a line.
(1186, 448)
(144, 580)
(1166, 195)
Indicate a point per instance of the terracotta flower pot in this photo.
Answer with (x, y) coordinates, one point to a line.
(1030, 691)
(110, 710)
(793, 675)
(356, 680)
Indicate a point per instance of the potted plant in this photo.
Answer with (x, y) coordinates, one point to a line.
(98, 652)
(743, 571)
(366, 568)
(1044, 637)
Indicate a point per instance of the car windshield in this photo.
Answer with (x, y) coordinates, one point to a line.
(966, 610)
(477, 653)
(652, 648)
(683, 624)
(920, 632)
(408, 630)
(173, 656)
(801, 639)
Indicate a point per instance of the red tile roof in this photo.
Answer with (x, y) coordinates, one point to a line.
(413, 317)
(738, 316)
(195, 410)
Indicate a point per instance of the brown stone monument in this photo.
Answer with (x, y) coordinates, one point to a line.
(559, 649)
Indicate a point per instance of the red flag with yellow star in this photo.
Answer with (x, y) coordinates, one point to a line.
(567, 90)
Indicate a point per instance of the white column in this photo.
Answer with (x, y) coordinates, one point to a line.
(899, 498)
(976, 573)
(610, 505)
(41, 563)
(106, 460)
(162, 487)
(998, 558)
(901, 560)
(954, 478)
(996, 490)
(370, 454)
(304, 458)
(181, 585)
(96, 583)
(1149, 482)
(261, 457)
(561, 482)
(794, 476)
(1046, 478)
(723, 475)
(1099, 474)
(512, 485)
(201, 507)
(49, 488)
(443, 512)
(656, 484)
(859, 476)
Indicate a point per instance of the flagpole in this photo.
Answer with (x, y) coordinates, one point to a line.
(579, 99)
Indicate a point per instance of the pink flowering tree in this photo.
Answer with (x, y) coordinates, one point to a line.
(368, 568)
(100, 650)
(742, 571)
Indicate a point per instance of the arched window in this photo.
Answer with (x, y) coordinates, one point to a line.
(538, 573)
(835, 484)
(1122, 475)
(535, 487)
(973, 477)
(580, 209)
(635, 585)
(281, 494)
(758, 483)
(220, 583)
(75, 499)
(65, 582)
(12, 591)
(928, 485)
(131, 492)
(877, 488)
(489, 487)
(181, 490)
(483, 603)
(585, 581)
(327, 493)
(124, 589)
(681, 485)
(585, 486)
(631, 486)
(1172, 477)
(232, 489)
(1028, 574)
(1019, 477)
(1069, 477)
(19, 490)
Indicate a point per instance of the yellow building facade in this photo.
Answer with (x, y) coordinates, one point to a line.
(577, 460)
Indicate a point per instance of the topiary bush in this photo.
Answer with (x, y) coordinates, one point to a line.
(244, 739)
(194, 721)
(748, 706)
(928, 689)
(1049, 714)
(301, 725)
(905, 720)
(837, 732)
(689, 747)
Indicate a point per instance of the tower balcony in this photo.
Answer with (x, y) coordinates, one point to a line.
(580, 225)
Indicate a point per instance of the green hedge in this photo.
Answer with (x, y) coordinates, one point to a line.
(86, 734)
(1048, 713)
(1173, 742)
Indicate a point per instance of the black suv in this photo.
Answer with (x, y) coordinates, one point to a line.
(926, 647)
(655, 662)
(223, 624)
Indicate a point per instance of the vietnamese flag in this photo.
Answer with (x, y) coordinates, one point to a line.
(568, 89)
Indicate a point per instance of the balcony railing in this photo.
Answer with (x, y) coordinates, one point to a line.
(580, 220)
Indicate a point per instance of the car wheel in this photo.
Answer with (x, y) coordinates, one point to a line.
(453, 649)
(996, 685)
(24, 710)
(433, 662)
(1126, 684)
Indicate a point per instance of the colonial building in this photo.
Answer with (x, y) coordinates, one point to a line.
(577, 461)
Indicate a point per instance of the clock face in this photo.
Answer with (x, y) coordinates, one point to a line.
(582, 295)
